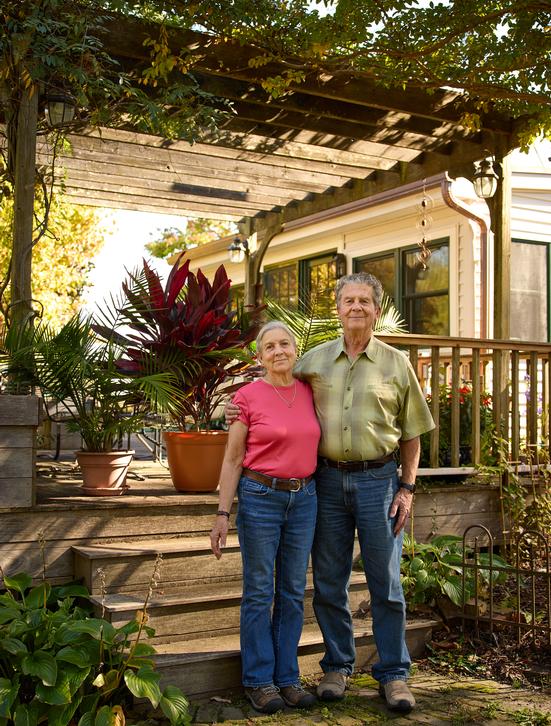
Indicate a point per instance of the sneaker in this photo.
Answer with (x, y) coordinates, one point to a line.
(265, 699)
(295, 696)
(332, 686)
(398, 696)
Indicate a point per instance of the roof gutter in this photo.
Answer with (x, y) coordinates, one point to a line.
(454, 204)
(380, 198)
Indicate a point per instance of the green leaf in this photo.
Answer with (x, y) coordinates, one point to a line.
(38, 596)
(9, 614)
(57, 695)
(8, 694)
(452, 587)
(78, 656)
(174, 704)
(42, 665)
(26, 714)
(97, 628)
(19, 582)
(144, 684)
(62, 715)
(13, 646)
(63, 591)
(87, 719)
(105, 717)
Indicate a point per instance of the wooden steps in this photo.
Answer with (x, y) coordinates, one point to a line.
(194, 610)
(186, 617)
(206, 666)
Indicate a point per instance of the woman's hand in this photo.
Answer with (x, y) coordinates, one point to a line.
(218, 535)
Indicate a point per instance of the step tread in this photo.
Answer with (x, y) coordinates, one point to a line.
(118, 602)
(151, 547)
(224, 646)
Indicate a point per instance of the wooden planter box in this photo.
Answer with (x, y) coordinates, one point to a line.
(450, 509)
(19, 418)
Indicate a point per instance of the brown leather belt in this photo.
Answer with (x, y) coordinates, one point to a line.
(287, 485)
(357, 465)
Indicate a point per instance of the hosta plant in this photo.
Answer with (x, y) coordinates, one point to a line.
(186, 328)
(435, 569)
(59, 665)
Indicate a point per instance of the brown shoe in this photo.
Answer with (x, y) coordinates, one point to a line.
(265, 699)
(332, 686)
(297, 697)
(398, 696)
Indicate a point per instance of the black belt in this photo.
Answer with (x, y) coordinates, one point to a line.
(357, 465)
(288, 485)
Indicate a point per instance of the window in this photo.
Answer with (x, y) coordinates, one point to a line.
(529, 290)
(422, 296)
(303, 281)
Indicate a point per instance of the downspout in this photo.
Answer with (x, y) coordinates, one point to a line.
(454, 204)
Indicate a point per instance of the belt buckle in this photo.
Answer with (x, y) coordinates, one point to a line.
(297, 482)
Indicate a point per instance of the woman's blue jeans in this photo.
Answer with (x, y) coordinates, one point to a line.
(276, 530)
(346, 502)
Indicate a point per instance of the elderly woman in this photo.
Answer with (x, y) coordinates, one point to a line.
(270, 459)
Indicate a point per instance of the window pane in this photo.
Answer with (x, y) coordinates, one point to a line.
(321, 281)
(529, 291)
(435, 277)
(384, 269)
(281, 285)
(425, 291)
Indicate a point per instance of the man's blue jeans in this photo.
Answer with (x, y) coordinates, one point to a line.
(276, 530)
(346, 502)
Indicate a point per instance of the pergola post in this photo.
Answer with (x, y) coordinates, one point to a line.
(23, 195)
(253, 284)
(500, 216)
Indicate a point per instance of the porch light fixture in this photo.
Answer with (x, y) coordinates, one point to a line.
(59, 109)
(238, 250)
(485, 179)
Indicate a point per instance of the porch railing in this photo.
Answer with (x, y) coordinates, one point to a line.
(516, 374)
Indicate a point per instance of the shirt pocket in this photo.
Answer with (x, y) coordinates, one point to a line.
(381, 402)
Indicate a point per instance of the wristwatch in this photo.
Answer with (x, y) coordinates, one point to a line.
(409, 487)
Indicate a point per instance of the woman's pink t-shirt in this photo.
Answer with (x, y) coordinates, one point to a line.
(281, 441)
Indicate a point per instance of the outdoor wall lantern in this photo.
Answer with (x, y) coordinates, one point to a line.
(59, 109)
(485, 179)
(238, 249)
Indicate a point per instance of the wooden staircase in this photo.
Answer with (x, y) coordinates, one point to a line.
(195, 608)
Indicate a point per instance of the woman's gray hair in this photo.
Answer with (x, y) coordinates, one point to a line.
(273, 325)
(361, 278)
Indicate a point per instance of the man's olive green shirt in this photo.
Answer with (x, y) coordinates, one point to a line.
(365, 406)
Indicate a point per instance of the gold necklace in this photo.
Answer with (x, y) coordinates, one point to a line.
(285, 401)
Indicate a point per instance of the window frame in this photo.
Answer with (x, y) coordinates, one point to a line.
(542, 243)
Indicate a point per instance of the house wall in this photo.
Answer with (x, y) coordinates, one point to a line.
(378, 228)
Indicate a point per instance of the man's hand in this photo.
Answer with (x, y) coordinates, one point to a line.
(231, 412)
(218, 536)
(401, 506)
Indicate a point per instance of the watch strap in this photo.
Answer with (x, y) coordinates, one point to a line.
(409, 487)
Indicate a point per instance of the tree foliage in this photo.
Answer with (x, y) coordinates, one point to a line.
(62, 260)
(198, 231)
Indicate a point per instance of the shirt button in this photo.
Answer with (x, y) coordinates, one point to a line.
(346, 451)
(346, 428)
(346, 408)
(349, 388)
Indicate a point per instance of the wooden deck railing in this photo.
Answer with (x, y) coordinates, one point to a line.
(517, 375)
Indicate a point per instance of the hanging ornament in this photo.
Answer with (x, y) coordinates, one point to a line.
(424, 223)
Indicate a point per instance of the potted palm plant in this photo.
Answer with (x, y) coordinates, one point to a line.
(188, 329)
(80, 374)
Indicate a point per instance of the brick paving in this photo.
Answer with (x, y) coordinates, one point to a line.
(440, 700)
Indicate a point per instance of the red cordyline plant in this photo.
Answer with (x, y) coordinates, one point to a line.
(186, 328)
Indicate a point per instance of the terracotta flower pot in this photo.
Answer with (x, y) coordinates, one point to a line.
(195, 459)
(104, 473)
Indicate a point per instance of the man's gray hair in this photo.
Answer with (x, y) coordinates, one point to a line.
(361, 278)
(273, 325)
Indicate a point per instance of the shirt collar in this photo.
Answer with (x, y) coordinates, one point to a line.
(370, 351)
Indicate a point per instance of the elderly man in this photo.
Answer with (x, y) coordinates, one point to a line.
(369, 404)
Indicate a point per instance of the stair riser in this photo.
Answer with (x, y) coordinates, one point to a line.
(180, 573)
(179, 622)
(212, 675)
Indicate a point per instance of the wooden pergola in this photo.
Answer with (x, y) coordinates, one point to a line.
(328, 141)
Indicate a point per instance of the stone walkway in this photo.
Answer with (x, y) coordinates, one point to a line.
(440, 700)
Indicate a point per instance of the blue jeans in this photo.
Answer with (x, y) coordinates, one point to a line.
(276, 530)
(346, 502)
